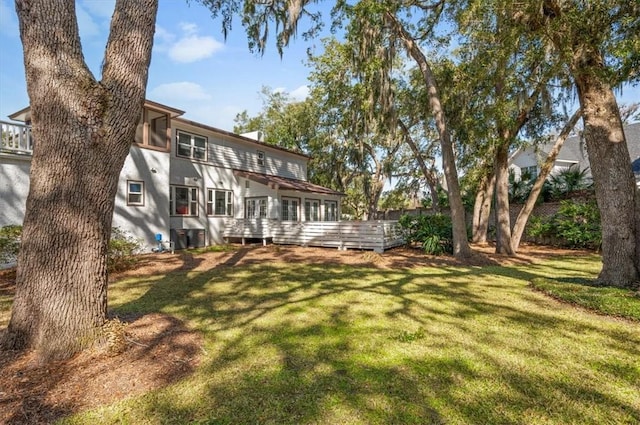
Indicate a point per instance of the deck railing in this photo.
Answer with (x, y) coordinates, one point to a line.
(377, 235)
(248, 229)
(15, 138)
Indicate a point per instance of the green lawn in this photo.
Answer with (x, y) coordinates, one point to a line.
(330, 344)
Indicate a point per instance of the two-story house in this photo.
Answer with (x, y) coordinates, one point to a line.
(191, 183)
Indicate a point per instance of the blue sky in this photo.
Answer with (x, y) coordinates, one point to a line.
(192, 67)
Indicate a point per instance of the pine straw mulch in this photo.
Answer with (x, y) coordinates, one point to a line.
(155, 350)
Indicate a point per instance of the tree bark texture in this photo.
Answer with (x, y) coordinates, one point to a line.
(611, 169)
(503, 220)
(460, 242)
(83, 131)
(545, 169)
(482, 209)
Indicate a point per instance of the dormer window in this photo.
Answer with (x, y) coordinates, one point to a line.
(261, 158)
(153, 130)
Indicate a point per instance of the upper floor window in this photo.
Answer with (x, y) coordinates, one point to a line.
(290, 209)
(219, 202)
(261, 158)
(183, 200)
(191, 146)
(135, 192)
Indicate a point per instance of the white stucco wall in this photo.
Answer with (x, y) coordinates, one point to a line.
(14, 188)
(144, 221)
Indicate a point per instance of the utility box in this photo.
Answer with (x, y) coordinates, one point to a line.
(188, 238)
(196, 238)
(179, 238)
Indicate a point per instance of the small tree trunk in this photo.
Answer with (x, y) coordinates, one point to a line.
(460, 242)
(482, 208)
(612, 174)
(503, 220)
(428, 174)
(527, 208)
(83, 131)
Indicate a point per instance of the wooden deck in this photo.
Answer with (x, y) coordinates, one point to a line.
(369, 235)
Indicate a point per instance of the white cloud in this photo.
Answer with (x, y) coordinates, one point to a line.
(8, 19)
(188, 28)
(193, 48)
(300, 93)
(184, 91)
(190, 47)
(102, 8)
(86, 25)
(162, 39)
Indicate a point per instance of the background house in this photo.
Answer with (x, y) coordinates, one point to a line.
(573, 153)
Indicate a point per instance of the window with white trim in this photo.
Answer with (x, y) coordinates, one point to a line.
(312, 210)
(256, 207)
(183, 200)
(219, 202)
(135, 192)
(191, 146)
(261, 158)
(330, 211)
(290, 209)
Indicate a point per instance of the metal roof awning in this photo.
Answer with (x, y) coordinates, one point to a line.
(276, 182)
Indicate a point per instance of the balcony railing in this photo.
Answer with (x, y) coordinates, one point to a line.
(15, 138)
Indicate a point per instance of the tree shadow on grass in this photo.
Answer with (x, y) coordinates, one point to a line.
(157, 350)
(154, 352)
(310, 344)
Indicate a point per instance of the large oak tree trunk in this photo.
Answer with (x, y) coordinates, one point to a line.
(482, 209)
(503, 220)
(83, 130)
(611, 169)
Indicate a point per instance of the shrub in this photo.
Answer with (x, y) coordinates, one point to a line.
(121, 253)
(434, 233)
(575, 225)
(568, 181)
(9, 243)
(122, 250)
